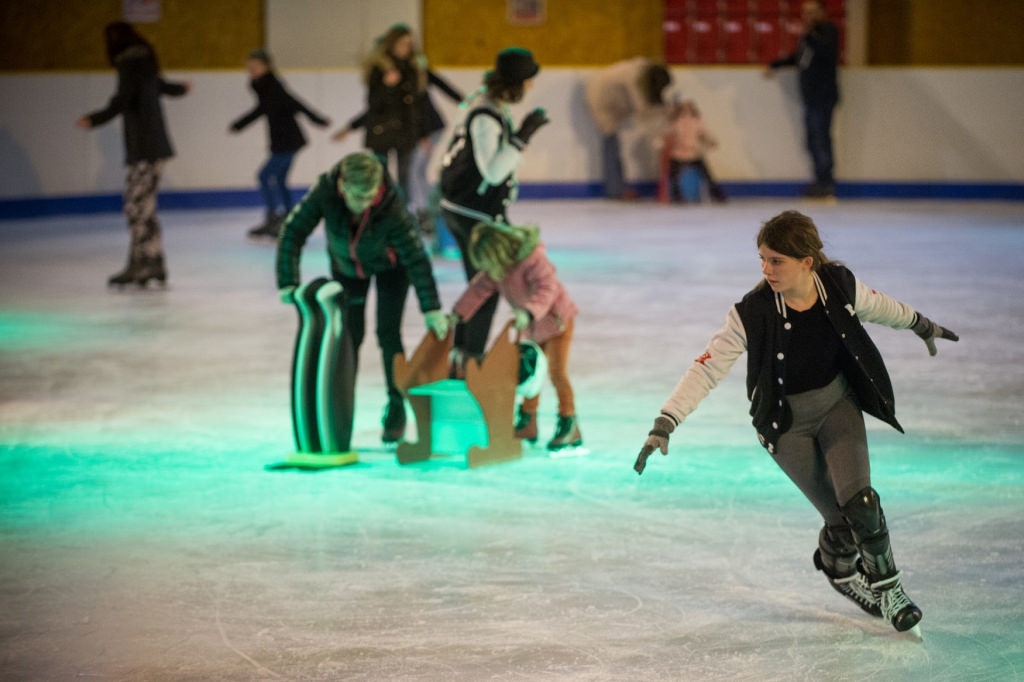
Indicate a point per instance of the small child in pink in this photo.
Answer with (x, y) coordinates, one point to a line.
(511, 260)
(688, 139)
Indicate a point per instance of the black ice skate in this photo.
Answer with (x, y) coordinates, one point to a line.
(567, 439)
(268, 231)
(526, 426)
(394, 422)
(854, 587)
(894, 603)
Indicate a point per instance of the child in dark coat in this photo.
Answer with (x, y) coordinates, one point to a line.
(286, 139)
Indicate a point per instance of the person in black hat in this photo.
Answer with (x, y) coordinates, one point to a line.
(286, 139)
(478, 179)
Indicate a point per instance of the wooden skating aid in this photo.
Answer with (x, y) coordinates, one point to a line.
(474, 417)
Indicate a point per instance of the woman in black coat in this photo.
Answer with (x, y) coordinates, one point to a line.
(395, 77)
(146, 146)
(286, 139)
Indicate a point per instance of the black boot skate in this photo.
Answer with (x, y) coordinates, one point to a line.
(567, 435)
(394, 421)
(126, 276)
(269, 230)
(894, 603)
(854, 586)
(526, 426)
(151, 268)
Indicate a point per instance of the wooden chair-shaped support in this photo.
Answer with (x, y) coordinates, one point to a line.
(472, 417)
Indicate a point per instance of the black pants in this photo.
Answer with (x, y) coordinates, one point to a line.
(675, 171)
(470, 336)
(392, 289)
(404, 159)
(818, 123)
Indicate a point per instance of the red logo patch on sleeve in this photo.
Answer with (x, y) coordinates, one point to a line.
(703, 358)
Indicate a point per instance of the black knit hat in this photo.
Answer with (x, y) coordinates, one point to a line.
(262, 55)
(515, 65)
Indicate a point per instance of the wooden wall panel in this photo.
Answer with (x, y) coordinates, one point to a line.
(576, 32)
(946, 32)
(62, 35)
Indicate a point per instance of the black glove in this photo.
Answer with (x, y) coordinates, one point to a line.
(533, 121)
(657, 439)
(929, 331)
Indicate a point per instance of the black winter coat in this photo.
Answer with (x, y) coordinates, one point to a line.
(280, 107)
(385, 237)
(768, 344)
(817, 57)
(393, 113)
(137, 100)
(427, 116)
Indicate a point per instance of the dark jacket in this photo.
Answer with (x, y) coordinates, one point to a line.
(767, 332)
(280, 108)
(137, 100)
(392, 118)
(817, 57)
(385, 237)
(428, 118)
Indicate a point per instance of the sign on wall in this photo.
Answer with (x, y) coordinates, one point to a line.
(142, 11)
(526, 12)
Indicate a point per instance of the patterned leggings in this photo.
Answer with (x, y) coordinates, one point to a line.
(141, 180)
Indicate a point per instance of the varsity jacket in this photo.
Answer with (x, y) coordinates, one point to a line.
(383, 238)
(758, 325)
(478, 172)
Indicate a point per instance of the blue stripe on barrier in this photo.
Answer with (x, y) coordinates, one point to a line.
(197, 199)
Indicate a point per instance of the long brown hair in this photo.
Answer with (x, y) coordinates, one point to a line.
(793, 234)
(381, 57)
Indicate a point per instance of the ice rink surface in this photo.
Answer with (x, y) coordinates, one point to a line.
(140, 538)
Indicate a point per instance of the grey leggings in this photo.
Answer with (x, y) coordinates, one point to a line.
(825, 452)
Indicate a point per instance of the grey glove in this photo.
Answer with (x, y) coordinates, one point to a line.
(657, 439)
(929, 331)
(533, 121)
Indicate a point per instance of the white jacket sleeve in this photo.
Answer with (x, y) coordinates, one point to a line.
(727, 344)
(494, 158)
(874, 306)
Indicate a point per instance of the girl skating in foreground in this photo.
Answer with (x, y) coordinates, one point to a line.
(812, 370)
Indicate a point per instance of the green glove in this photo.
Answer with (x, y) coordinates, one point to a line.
(438, 322)
(287, 294)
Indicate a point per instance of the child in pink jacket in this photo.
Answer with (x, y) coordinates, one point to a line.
(511, 260)
(688, 139)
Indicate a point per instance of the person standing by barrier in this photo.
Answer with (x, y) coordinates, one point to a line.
(817, 59)
(370, 234)
(618, 94)
(478, 181)
(146, 146)
(286, 139)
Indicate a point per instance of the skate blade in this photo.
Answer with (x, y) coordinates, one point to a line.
(571, 451)
(916, 633)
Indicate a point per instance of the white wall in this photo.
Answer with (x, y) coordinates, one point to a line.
(938, 124)
(332, 33)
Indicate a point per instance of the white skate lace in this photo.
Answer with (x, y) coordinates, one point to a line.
(855, 586)
(892, 598)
